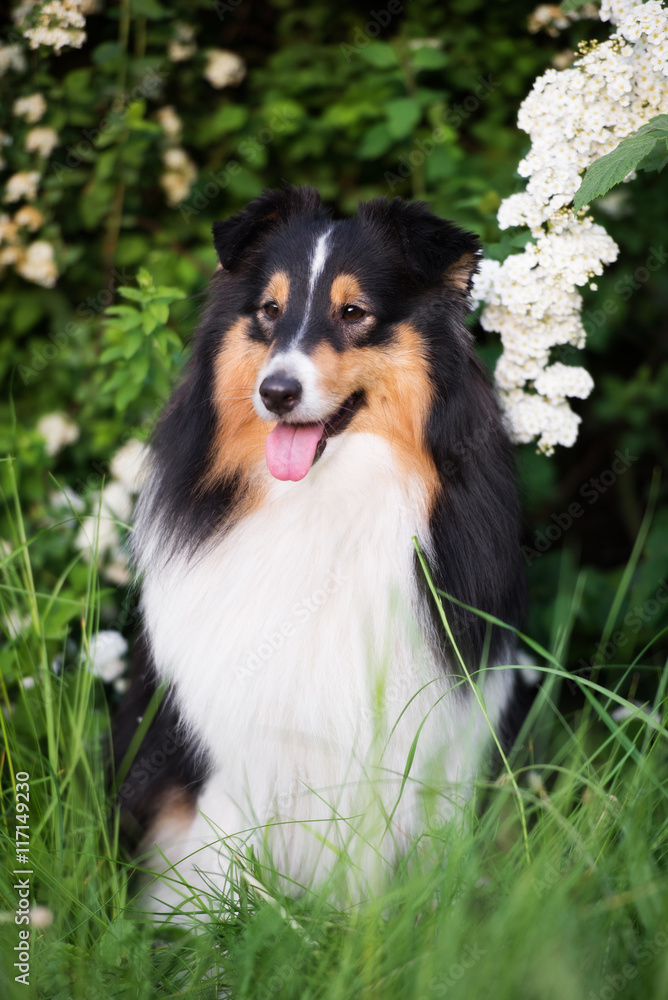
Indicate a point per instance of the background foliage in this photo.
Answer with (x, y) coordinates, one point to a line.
(419, 102)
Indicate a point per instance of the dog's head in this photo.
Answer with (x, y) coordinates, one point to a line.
(337, 326)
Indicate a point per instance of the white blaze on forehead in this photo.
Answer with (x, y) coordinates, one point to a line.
(318, 259)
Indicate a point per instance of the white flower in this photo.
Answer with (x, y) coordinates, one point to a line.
(58, 430)
(117, 571)
(28, 217)
(41, 140)
(106, 653)
(96, 535)
(128, 465)
(9, 229)
(66, 499)
(573, 117)
(59, 23)
(224, 68)
(179, 176)
(38, 264)
(116, 501)
(182, 45)
(14, 623)
(40, 917)
(22, 185)
(99, 531)
(31, 108)
(170, 122)
(12, 57)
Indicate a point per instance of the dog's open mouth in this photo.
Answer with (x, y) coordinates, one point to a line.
(292, 449)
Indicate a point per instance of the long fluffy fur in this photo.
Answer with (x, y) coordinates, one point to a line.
(291, 619)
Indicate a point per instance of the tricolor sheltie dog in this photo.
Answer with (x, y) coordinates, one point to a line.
(334, 410)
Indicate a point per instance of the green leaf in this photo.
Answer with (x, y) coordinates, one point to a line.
(429, 58)
(140, 367)
(121, 310)
(159, 311)
(112, 354)
(380, 55)
(612, 168)
(123, 323)
(148, 323)
(135, 294)
(657, 159)
(151, 9)
(127, 392)
(402, 117)
(107, 52)
(132, 344)
(169, 294)
(119, 378)
(228, 119)
(376, 142)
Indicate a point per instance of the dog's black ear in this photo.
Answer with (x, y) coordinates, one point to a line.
(434, 251)
(237, 236)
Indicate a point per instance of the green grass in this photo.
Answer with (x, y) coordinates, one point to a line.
(553, 885)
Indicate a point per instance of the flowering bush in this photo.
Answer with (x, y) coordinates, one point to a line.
(126, 130)
(573, 117)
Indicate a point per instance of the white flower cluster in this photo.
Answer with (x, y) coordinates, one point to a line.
(31, 108)
(179, 176)
(35, 261)
(12, 57)
(224, 68)
(573, 116)
(58, 430)
(183, 45)
(41, 140)
(59, 23)
(106, 655)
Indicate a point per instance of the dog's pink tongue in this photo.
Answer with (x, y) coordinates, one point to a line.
(290, 450)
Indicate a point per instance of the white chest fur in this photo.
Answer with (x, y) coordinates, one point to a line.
(296, 643)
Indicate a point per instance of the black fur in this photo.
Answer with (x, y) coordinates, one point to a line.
(167, 757)
(419, 268)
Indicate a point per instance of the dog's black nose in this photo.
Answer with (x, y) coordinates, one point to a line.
(280, 394)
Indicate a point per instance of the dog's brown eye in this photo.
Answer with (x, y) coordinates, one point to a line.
(271, 309)
(351, 313)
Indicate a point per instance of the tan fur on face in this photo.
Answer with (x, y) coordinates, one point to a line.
(397, 387)
(345, 290)
(278, 290)
(241, 434)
